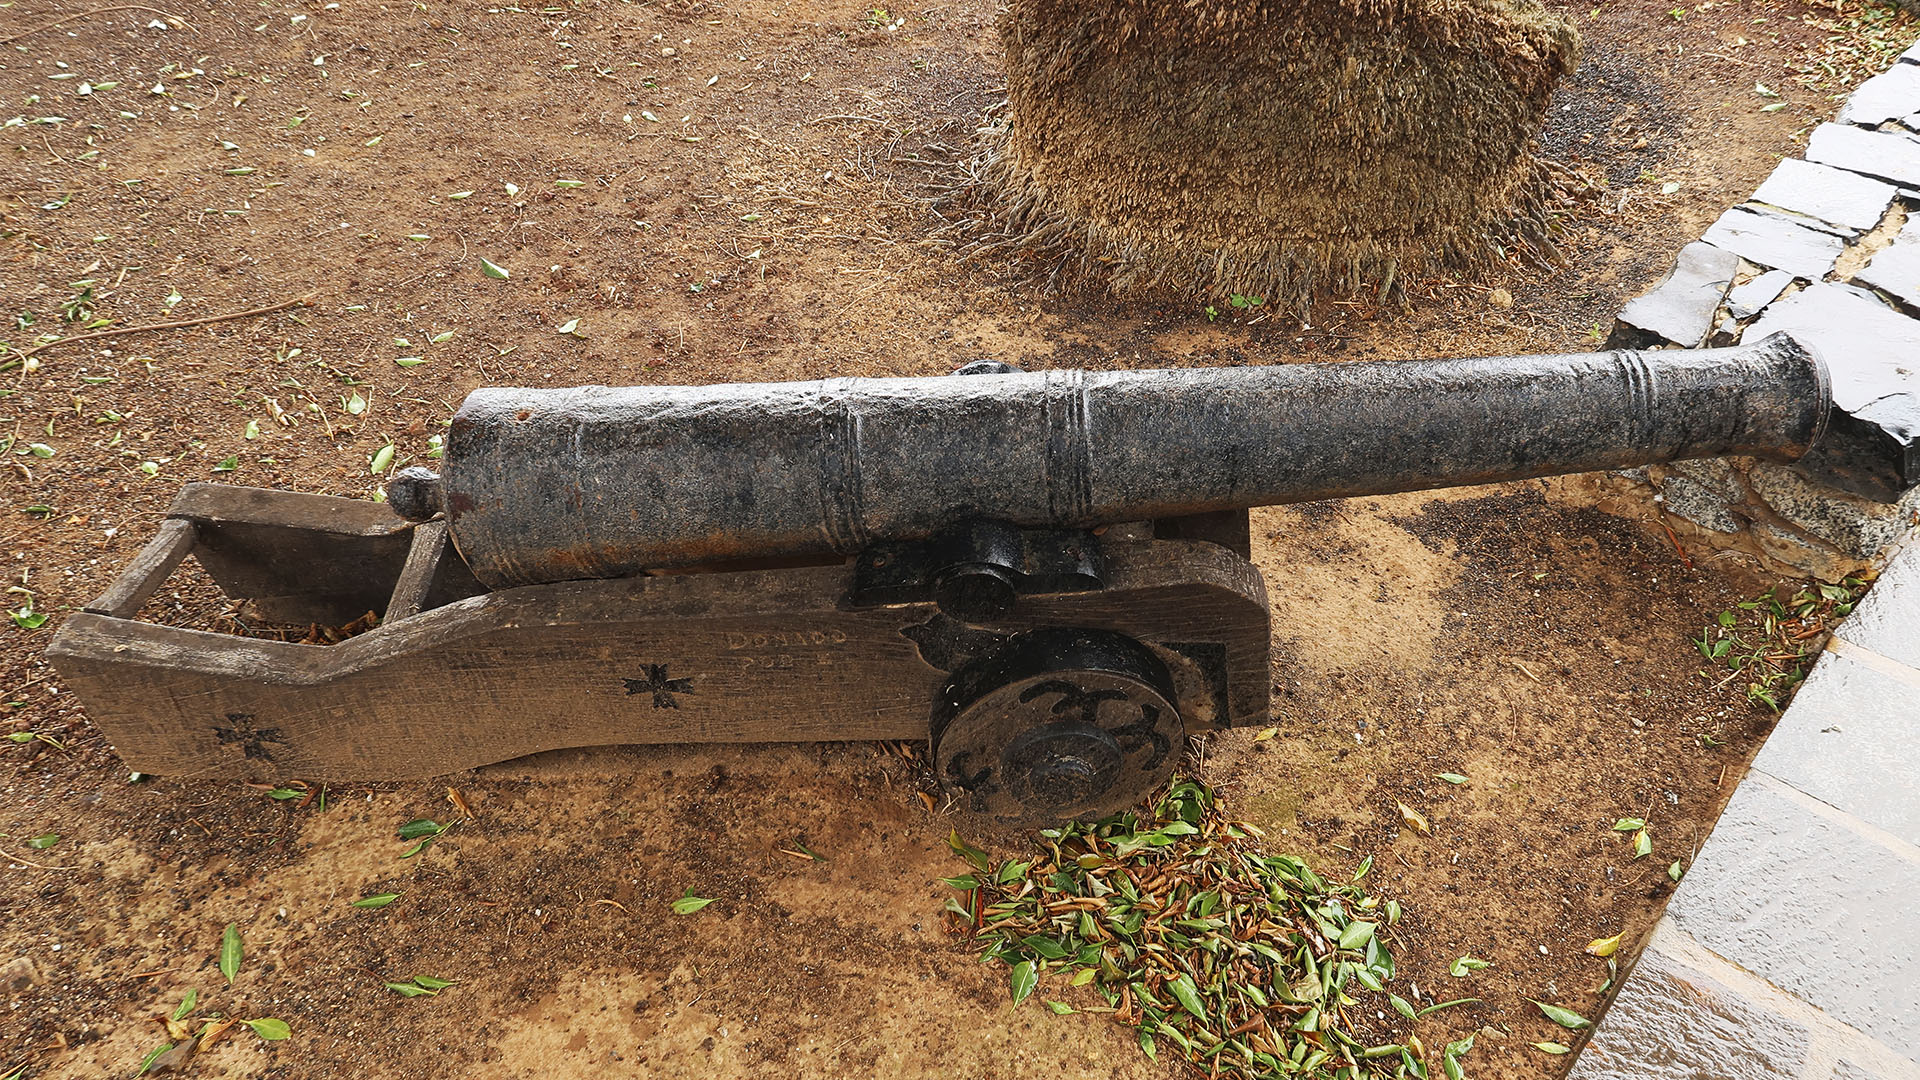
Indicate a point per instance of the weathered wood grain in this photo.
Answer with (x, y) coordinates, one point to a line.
(299, 558)
(148, 570)
(741, 656)
(423, 563)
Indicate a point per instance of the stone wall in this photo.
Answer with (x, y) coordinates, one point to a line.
(1827, 248)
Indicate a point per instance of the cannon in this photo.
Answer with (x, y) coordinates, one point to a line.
(1045, 575)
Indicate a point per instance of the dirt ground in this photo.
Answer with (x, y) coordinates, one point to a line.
(715, 191)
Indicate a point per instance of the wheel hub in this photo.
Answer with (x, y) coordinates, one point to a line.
(1058, 724)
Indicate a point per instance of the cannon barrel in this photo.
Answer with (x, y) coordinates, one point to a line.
(549, 485)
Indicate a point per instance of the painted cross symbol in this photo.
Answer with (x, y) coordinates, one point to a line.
(661, 687)
(252, 740)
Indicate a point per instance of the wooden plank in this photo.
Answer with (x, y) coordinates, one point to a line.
(744, 656)
(286, 509)
(423, 564)
(299, 558)
(148, 571)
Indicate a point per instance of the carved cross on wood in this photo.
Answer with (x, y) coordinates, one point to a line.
(662, 688)
(252, 740)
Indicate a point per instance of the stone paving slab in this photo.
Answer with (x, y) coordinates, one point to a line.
(1887, 155)
(1678, 1018)
(1888, 620)
(1895, 270)
(1870, 348)
(1686, 1013)
(1815, 903)
(1853, 202)
(1680, 308)
(1746, 301)
(1884, 97)
(1777, 242)
(1849, 740)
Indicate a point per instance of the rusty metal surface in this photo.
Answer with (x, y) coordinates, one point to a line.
(550, 485)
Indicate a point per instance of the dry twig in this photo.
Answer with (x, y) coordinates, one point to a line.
(304, 301)
(96, 11)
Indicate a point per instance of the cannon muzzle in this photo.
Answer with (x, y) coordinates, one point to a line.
(596, 482)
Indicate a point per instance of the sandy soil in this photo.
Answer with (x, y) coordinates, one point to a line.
(753, 202)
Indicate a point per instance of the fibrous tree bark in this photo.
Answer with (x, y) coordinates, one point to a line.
(1269, 147)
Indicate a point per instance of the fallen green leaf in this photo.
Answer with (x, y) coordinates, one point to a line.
(230, 952)
(152, 1055)
(967, 851)
(1022, 980)
(269, 1028)
(689, 903)
(1187, 995)
(1356, 935)
(379, 900)
(1566, 1018)
(1465, 964)
(419, 827)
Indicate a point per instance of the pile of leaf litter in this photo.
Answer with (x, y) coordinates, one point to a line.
(1247, 964)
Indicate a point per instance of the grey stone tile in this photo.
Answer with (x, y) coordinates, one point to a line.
(1870, 349)
(1887, 155)
(1846, 199)
(1813, 905)
(1895, 270)
(1672, 1022)
(1848, 740)
(1680, 309)
(1849, 1070)
(1888, 620)
(1776, 242)
(1892, 93)
(1746, 301)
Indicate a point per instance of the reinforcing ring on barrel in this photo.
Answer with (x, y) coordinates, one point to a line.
(1058, 724)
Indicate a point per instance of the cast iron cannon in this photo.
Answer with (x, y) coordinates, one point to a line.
(1047, 574)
